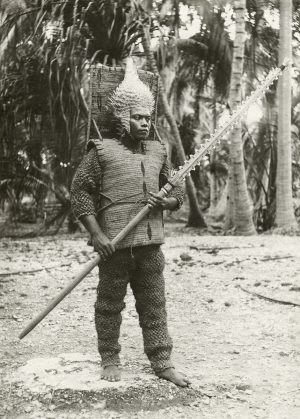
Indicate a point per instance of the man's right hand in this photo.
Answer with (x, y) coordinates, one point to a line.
(99, 240)
(102, 245)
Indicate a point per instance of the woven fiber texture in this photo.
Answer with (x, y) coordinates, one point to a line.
(104, 81)
(113, 183)
(126, 181)
(142, 268)
(85, 185)
(130, 94)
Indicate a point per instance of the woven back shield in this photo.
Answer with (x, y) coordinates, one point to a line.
(103, 81)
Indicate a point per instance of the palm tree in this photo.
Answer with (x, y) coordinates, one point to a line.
(196, 218)
(239, 213)
(285, 217)
(209, 77)
(189, 66)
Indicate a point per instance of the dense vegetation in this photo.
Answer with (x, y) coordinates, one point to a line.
(46, 48)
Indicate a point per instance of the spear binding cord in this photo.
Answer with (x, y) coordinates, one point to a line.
(177, 178)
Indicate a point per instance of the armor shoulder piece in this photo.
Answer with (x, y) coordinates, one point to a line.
(94, 143)
(99, 146)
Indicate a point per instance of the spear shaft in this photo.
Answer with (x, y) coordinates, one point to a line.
(175, 179)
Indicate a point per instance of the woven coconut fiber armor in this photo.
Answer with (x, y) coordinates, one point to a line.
(126, 181)
(113, 183)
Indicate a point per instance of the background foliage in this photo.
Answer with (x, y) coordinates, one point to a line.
(45, 50)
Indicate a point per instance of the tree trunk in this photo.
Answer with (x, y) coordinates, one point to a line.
(195, 216)
(213, 182)
(219, 211)
(285, 217)
(239, 209)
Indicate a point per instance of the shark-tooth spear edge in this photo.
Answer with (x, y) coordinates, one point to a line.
(177, 177)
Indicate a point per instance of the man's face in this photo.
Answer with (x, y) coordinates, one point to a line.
(140, 122)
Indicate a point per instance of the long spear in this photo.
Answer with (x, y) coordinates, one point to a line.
(176, 179)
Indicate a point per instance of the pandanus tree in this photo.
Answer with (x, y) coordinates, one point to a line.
(21, 82)
(42, 115)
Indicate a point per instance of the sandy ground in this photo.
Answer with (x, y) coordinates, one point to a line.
(240, 351)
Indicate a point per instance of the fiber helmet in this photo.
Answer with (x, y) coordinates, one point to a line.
(131, 93)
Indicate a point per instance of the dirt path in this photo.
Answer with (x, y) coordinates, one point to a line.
(241, 352)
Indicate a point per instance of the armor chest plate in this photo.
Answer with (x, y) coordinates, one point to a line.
(126, 173)
(126, 180)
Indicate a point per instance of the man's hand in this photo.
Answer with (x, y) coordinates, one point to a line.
(102, 245)
(99, 240)
(156, 201)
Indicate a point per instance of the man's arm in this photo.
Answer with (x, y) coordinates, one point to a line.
(84, 188)
(99, 240)
(175, 198)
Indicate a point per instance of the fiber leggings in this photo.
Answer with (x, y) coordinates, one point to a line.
(142, 267)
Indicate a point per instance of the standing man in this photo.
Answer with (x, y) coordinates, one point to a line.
(117, 177)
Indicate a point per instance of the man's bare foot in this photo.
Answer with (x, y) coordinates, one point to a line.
(175, 377)
(111, 373)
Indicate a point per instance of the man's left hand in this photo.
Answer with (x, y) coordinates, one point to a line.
(156, 201)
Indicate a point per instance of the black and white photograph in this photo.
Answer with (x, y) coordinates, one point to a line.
(149, 209)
